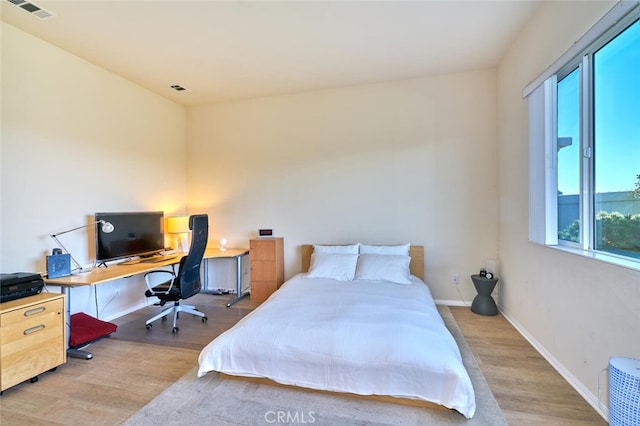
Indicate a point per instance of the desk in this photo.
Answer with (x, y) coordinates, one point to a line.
(238, 254)
(117, 271)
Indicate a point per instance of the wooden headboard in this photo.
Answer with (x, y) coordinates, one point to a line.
(416, 266)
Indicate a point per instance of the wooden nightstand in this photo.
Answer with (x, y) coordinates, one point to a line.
(267, 267)
(32, 337)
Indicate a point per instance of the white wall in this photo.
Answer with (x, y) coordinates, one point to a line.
(405, 161)
(579, 312)
(77, 139)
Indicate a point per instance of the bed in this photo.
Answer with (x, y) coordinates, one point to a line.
(366, 324)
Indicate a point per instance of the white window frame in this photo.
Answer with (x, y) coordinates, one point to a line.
(543, 174)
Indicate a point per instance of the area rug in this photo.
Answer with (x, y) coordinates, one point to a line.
(221, 401)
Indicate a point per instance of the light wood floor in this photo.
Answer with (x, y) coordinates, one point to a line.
(134, 365)
(528, 390)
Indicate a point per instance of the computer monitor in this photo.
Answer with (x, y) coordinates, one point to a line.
(134, 234)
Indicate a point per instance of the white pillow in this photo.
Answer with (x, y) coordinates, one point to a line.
(347, 249)
(402, 249)
(384, 267)
(335, 266)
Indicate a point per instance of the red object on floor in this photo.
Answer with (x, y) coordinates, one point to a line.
(85, 329)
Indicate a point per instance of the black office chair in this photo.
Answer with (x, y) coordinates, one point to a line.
(187, 282)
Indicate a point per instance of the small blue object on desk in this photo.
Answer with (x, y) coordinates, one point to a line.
(483, 303)
(58, 265)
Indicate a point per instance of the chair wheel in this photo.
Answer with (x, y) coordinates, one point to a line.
(34, 379)
(148, 326)
(205, 319)
(175, 330)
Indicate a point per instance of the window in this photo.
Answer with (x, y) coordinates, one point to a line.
(616, 144)
(585, 145)
(568, 152)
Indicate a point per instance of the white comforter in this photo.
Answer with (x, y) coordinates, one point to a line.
(362, 337)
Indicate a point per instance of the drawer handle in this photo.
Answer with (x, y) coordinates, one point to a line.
(34, 311)
(33, 329)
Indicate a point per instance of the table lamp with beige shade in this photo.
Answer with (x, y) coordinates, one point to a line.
(179, 226)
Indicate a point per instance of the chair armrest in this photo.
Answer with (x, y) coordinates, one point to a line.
(171, 277)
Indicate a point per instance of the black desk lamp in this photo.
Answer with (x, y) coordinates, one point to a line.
(107, 227)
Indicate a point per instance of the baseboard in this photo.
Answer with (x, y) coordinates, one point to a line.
(125, 312)
(452, 302)
(570, 378)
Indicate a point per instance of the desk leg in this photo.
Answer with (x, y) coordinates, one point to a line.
(205, 271)
(239, 294)
(72, 353)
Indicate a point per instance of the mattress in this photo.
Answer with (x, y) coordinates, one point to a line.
(361, 337)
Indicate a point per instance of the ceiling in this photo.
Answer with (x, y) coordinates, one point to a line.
(220, 51)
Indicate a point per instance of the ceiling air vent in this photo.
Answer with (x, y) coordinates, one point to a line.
(32, 8)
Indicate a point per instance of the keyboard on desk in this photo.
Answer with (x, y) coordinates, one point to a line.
(151, 259)
(157, 259)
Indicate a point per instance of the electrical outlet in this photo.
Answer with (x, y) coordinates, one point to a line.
(455, 279)
(117, 291)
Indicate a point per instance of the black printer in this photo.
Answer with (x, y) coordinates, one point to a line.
(19, 284)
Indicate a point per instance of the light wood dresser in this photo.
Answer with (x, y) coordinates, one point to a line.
(267, 267)
(32, 337)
